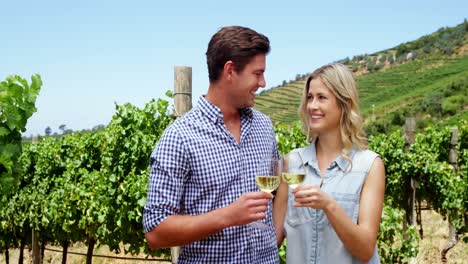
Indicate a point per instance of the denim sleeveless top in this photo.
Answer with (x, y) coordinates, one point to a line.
(310, 236)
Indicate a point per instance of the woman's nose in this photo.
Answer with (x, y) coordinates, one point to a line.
(312, 104)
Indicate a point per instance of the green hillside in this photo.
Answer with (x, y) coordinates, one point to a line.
(433, 87)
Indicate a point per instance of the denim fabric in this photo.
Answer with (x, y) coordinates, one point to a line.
(310, 236)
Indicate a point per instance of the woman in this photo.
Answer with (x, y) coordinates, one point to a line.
(334, 216)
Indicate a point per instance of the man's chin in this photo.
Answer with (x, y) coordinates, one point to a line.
(249, 103)
(252, 102)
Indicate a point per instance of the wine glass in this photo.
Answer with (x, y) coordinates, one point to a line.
(267, 179)
(293, 171)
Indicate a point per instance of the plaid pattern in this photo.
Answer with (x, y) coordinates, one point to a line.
(197, 166)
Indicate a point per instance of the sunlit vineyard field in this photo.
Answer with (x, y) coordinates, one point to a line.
(435, 237)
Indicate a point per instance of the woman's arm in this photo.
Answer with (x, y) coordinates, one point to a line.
(280, 204)
(359, 239)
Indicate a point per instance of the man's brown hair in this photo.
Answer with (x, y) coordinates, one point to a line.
(234, 43)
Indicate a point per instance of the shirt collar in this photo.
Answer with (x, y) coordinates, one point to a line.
(344, 164)
(246, 112)
(309, 156)
(214, 113)
(209, 110)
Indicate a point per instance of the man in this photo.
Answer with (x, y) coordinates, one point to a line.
(202, 193)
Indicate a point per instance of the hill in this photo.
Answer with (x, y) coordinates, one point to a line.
(426, 78)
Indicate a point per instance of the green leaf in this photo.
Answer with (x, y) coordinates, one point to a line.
(112, 178)
(142, 202)
(4, 131)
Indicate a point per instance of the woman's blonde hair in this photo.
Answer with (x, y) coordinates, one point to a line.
(339, 79)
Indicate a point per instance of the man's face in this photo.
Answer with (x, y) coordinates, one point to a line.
(248, 81)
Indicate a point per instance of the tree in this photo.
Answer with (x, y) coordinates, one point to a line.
(432, 104)
(345, 60)
(63, 128)
(17, 104)
(382, 59)
(48, 131)
(102, 127)
(371, 65)
(427, 49)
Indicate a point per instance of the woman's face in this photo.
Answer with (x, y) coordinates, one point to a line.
(322, 108)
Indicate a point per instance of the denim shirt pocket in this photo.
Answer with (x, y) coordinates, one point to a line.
(349, 202)
(297, 215)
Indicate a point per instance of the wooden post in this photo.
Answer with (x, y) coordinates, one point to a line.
(182, 89)
(175, 252)
(454, 236)
(36, 253)
(453, 149)
(182, 104)
(410, 130)
(7, 255)
(411, 185)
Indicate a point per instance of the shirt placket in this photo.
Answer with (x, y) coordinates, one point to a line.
(315, 226)
(330, 173)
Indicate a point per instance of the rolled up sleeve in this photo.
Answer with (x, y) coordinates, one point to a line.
(169, 167)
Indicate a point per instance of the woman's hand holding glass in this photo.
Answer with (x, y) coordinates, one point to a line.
(293, 171)
(310, 195)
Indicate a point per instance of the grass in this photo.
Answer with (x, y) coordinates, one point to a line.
(56, 257)
(435, 237)
(456, 119)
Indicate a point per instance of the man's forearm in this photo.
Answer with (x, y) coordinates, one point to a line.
(179, 230)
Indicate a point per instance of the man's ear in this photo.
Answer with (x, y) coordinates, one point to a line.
(229, 70)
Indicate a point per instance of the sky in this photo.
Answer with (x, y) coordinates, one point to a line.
(94, 54)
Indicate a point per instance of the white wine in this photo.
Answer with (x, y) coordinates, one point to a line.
(293, 179)
(267, 183)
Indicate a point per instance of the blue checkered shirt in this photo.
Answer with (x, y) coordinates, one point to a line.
(198, 166)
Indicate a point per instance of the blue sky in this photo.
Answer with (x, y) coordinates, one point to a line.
(91, 54)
